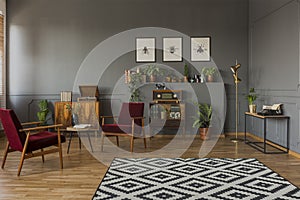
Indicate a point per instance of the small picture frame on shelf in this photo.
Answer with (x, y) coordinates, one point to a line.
(145, 50)
(172, 49)
(200, 48)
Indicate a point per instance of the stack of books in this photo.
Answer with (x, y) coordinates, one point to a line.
(66, 96)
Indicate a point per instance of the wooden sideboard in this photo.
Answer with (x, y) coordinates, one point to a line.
(166, 116)
(86, 110)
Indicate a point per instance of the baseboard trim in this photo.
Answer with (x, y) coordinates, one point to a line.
(259, 139)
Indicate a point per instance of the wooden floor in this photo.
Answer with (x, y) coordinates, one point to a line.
(82, 173)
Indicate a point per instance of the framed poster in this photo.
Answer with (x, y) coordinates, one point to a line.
(145, 50)
(200, 48)
(172, 49)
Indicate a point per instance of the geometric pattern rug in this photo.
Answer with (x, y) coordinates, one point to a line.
(194, 178)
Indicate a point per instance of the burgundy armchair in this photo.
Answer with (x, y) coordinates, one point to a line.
(130, 123)
(29, 140)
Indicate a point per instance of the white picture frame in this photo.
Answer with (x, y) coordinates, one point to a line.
(172, 49)
(145, 50)
(200, 48)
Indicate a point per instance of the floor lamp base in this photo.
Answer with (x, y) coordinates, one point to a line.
(236, 140)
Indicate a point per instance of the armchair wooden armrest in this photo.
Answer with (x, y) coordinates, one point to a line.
(137, 118)
(40, 127)
(108, 117)
(30, 123)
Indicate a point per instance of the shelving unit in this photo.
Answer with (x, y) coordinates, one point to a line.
(167, 112)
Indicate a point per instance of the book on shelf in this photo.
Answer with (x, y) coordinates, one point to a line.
(66, 96)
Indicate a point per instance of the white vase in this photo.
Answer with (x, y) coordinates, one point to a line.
(252, 108)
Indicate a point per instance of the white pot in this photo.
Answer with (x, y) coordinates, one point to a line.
(252, 108)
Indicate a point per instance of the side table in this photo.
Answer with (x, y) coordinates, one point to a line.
(78, 131)
(266, 142)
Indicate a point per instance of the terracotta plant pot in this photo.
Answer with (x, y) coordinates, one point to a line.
(152, 78)
(203, 133)
(210, 78)
(185, 79)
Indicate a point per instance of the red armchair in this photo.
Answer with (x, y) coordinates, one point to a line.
(130, 124)
(28, 140)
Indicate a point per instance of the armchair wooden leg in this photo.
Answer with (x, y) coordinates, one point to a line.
(61, 158)
(131, 143)
(144, 136)
(21, 162)
(23, 154)
(117, 138)
(60, 150)
(145, 144)
(43, 157)
(102, 140)
(5, 155)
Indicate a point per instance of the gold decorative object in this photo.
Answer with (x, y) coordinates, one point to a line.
(234, 70)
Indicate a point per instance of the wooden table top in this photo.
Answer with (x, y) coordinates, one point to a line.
(266, 116)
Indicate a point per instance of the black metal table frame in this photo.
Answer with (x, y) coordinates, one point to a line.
(265, 140)
(78, 131)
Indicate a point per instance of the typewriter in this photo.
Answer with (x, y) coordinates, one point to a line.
(275, 109)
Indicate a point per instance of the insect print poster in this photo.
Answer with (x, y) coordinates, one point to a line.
(172, 49)
(200, 48)
(145, 49)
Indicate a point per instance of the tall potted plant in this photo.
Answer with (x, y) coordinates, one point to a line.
(186, 73)
(136, 79)
(203, 119)
(44, 110)
(251, 97)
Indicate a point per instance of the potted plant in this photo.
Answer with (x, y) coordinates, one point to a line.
(203, 119)
(44, 110)
(209, 72)
(186, 73)
(136, 79)
(152, 72)
(168, 75)
(251, 97)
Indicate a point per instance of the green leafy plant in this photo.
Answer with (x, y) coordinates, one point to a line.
(209, 71)
(152, 70)
(204, 114)
(186, 70)
(136, 80)
(251, 96)
(42, 114)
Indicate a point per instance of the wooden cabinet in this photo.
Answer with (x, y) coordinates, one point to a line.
(87, 111)
(167, 117)
(62, 114)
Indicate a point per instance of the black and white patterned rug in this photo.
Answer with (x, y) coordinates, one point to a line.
(197, 179)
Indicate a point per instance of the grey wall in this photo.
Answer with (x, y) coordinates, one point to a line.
(274, 63)
(49, 39)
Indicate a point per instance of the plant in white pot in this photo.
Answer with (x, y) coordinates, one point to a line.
(203, 119)
(251, 97)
